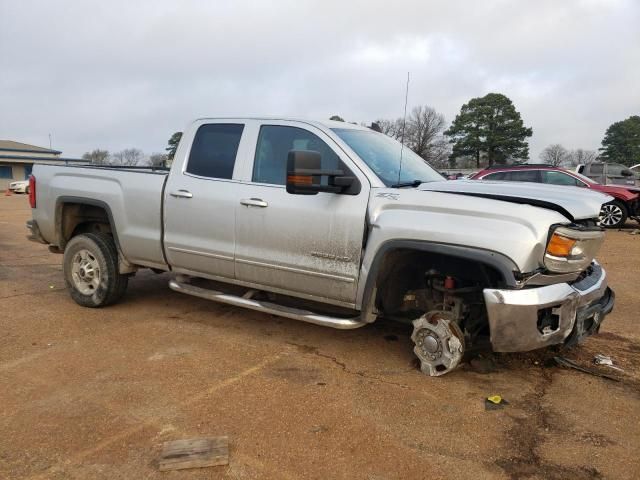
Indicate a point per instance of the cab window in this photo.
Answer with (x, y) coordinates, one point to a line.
(214, 149)
(273, 147)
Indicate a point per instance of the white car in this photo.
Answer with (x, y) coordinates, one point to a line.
(21, 186)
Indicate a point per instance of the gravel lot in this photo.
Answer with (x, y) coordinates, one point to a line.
(94, 393)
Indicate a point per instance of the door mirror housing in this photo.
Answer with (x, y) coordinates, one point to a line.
(305, 174)
(626, 172)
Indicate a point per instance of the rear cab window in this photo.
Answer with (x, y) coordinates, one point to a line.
(214, 150)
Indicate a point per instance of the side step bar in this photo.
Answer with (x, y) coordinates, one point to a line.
(268, 307)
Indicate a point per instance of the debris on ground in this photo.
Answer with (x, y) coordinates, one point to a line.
(635, 232)
(195, 453)
(318, 429)
(600, 359)
(565, 362)
(494, 402)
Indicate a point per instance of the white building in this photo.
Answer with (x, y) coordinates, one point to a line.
(17, 160)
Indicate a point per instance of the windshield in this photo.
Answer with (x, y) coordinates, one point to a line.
(382, 154)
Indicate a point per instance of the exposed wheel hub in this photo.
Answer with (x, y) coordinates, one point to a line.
(85, 272)
(439, 343)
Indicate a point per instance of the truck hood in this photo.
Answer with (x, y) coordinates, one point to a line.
(574, 203)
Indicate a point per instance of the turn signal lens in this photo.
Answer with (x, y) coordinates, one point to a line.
(560, 246)
(300, 179)
(572, 249)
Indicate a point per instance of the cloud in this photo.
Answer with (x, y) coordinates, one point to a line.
(121, 74)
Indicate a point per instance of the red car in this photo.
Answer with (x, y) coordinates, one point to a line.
(626, 203)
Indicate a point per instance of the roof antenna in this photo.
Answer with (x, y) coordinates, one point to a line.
(404, 123)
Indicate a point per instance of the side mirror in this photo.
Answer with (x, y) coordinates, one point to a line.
(626, 172)
(304, 175)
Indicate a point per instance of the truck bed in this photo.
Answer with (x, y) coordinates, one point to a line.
(131, 195)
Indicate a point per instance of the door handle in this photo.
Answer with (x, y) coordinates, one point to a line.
(182, 194)
(254, 202)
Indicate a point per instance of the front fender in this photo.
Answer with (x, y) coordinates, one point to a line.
(371, 266)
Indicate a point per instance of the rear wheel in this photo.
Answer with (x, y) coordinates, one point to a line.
(613, 214)
(91, 270)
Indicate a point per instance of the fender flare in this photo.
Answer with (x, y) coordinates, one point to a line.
(501, 263)
(62, 200)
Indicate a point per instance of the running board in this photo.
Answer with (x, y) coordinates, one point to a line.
(268, 307)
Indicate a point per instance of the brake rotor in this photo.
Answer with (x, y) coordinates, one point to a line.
(439, 343)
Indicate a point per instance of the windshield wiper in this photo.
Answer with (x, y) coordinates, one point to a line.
(413, 183)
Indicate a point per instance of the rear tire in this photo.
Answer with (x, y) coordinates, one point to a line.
(90, 269)
(613, 214)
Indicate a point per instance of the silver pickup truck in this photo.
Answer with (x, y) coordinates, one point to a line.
(337, 225)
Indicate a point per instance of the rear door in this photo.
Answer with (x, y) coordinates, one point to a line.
(305, 245)
(200, 202)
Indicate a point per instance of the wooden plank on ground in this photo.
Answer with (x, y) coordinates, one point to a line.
(195, 453)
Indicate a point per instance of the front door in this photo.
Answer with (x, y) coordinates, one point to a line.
(305, 245)
(200, 204)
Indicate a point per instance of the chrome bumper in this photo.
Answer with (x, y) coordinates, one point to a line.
(531, 318)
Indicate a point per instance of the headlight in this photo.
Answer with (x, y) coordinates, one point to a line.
(571, 250)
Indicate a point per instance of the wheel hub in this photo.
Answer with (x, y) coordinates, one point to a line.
(439, 343)
(85, 272)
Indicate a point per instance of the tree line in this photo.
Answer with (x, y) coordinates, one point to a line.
(487, 131)
(128, 157)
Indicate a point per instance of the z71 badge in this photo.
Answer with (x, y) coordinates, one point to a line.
(388, 195)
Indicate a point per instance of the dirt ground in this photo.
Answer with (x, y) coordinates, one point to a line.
(93, 393)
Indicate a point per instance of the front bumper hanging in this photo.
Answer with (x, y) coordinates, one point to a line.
(532, 318)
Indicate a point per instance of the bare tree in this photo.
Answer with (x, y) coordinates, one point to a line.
(158, 159)
(555, 155)
(97, 157)
(582, 157)
(128, 157)
(390, 127)
(439, 153)
(422, 132)
(423, 128)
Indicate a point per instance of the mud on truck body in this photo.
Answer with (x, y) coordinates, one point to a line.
(317, 221)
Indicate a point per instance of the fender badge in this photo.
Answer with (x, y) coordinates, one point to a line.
(388, 196)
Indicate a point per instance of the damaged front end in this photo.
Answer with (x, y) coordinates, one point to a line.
(563, 302)
(537, 317)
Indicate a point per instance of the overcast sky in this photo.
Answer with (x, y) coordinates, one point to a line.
(118, 74)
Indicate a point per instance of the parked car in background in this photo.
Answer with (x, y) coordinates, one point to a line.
(626, 202)
(21, 186)
(610, 173)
